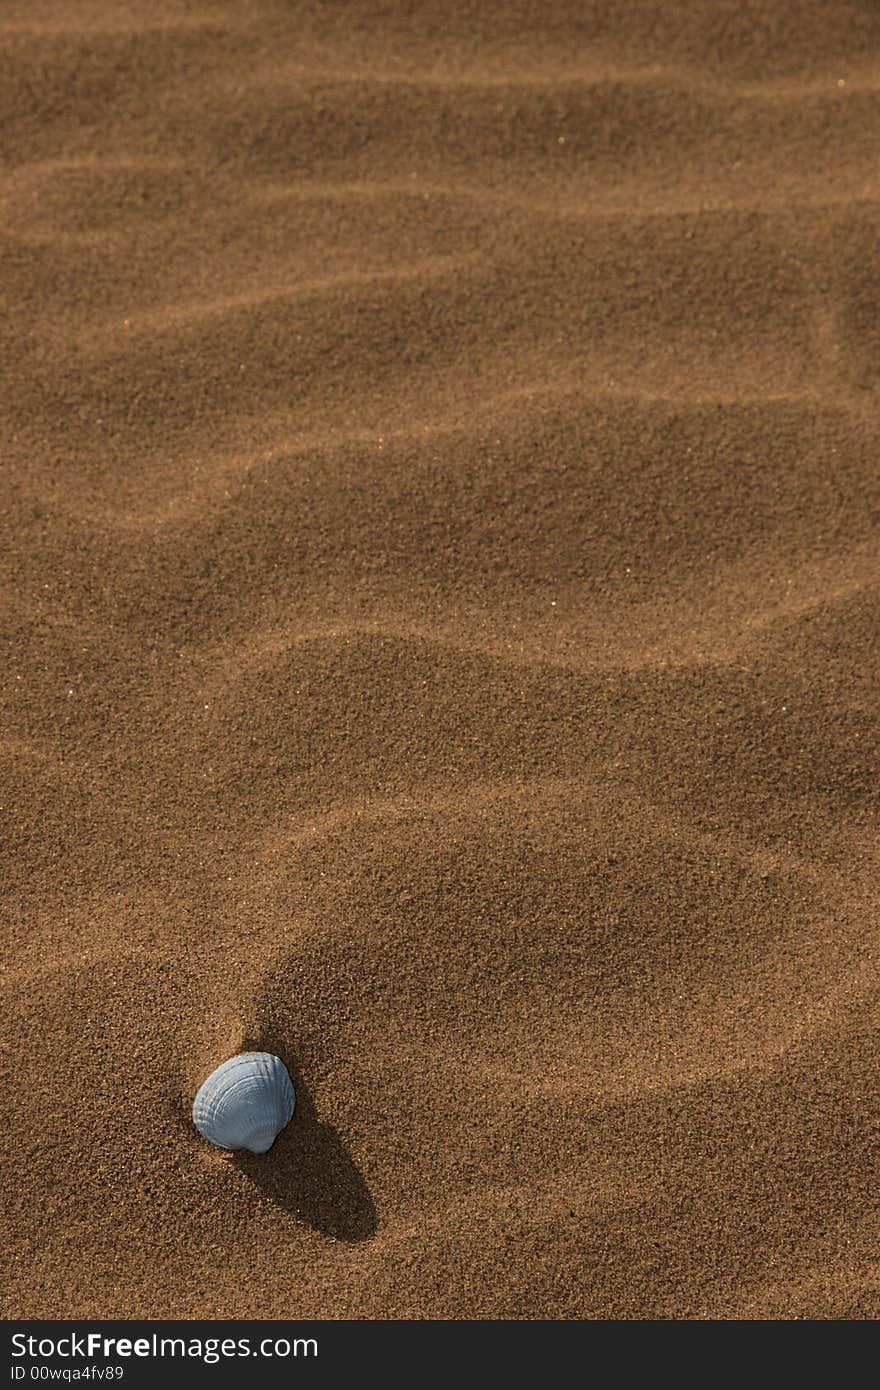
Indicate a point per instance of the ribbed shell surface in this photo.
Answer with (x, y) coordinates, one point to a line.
(245, 1102)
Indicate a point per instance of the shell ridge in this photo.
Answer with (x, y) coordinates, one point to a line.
(246, 1098)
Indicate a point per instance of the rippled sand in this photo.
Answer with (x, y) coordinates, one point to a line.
(440, 585)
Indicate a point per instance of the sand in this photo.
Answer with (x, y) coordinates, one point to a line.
(440, 646)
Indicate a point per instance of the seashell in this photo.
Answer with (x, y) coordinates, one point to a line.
(245, 1103)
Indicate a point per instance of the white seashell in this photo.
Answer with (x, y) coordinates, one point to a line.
(245, 1103)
